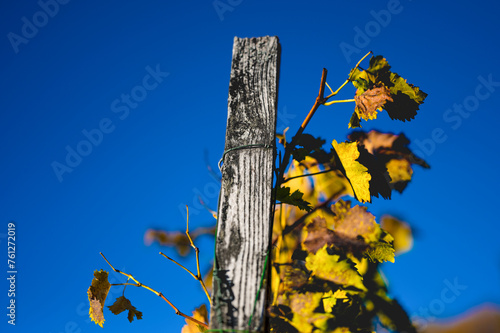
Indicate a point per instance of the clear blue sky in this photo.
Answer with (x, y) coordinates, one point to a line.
(71, 72)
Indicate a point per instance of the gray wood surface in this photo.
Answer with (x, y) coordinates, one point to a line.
(245, 205)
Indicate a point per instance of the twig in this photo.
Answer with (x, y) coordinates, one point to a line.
(288, 151)
(348, 79)
(138, 284)
(320, 99)
(308, 175)
(340, 101)
(198, 276)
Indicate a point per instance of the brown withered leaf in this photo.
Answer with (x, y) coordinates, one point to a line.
(177, 239)
(294, 278)
(392, 151)
(371, 101)
(374, 140)
(355, 221)
(319, 235)
(97, 293)
(121, 304)
(387, 146)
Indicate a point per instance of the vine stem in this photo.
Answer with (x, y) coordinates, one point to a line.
(320, 99)
(138, 284)
(198, 276)
(308, 175)
(340, 101)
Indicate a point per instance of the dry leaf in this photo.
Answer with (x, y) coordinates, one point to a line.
(97, 293)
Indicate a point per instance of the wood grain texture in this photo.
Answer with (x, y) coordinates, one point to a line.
(245, 206)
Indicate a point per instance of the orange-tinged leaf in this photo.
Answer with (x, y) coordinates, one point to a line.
(355, 221)
(200, 314)
(177, 239)
(357, 173)
(97, 293)
(371, 101)
(374, 141)
(317, 235)
(392, 151)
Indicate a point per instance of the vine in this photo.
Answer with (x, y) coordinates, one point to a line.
(327, 250)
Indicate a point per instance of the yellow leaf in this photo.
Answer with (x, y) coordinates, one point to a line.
(303, 184)
(303, 305)
(400, 170)
(208, 279)
(97, 293)
(333, 268)
(357, 173)
(330, 185)
(200, 314)
(380, 252)
(330, 299)
(401, 231)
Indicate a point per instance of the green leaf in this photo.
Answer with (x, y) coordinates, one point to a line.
(121, 304)
(295, 199)
(406, 98)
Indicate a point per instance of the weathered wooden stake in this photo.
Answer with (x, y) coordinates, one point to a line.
(245, 205)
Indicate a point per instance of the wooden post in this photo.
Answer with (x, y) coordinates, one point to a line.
(245, 206)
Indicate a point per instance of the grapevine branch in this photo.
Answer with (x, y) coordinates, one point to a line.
(320, 99)
(198, 276)
(138, 284)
